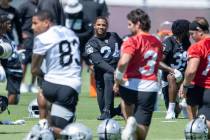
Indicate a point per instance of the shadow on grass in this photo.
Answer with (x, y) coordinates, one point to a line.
(12, 132)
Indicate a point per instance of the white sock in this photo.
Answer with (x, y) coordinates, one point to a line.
(171, 107)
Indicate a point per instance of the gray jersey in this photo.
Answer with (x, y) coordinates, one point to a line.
(60, 46)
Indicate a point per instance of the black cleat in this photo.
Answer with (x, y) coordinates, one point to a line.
(105, 115)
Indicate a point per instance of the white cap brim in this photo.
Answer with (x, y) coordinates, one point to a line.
(72, 10)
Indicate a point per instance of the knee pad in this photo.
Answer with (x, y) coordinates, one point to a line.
(61, 116)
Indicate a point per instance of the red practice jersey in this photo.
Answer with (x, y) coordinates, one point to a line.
(201, 50)
(146, 51)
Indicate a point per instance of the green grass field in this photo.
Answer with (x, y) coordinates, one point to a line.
(87, 111)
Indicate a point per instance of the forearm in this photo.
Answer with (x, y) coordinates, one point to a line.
(122, 67)
(191, 70)
(105, 67)
(99, 62)
(37, 72)
(123, 62)
(36, 65)
(188, 78)
(165, 67)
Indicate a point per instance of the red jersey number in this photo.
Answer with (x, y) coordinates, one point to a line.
(205, 72)
(150, 66)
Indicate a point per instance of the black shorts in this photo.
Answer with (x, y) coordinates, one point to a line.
(199, 96)
(144, 104)
(60, 94)
(13, 84)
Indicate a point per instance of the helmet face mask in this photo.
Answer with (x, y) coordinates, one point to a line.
(109, 130)
(76, 131)
(33, 109)
(38, 133)
(197, 129)
(3, 103)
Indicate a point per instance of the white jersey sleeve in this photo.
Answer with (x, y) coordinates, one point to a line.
(39, 48)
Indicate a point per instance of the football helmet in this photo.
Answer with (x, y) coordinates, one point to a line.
(3, 103)
(6, 49)
(109, 129)
(33, 109)
(197, 129)
(76, 131)
(38, 133)
(2, 74)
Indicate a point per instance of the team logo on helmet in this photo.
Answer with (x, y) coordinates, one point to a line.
(109, 130)
(33, 109)
(197, 129)
(76, 131)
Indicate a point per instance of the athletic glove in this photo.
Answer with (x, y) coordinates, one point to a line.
(178, 75)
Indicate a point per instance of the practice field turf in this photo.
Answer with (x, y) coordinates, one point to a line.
(87, 111)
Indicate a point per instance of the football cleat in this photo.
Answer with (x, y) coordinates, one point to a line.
(183, 106)
(170, 116)
(33, 89)
(129, 132)
(24, 88)
(105, 115)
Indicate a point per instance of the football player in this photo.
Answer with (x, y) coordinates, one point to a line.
(6, 47)
(196, 84)
(136, 76)
(174, 64)
(103, 50)
(10, 60)
(59, 47)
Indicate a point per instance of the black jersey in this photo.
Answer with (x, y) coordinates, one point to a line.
(108, 48)
(175, 53)
(13, 15)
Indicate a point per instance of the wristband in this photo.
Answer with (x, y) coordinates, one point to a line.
(118, 74)
(188, 86)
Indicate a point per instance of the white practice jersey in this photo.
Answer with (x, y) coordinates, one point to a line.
(60, 46)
